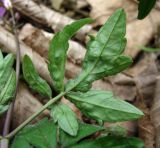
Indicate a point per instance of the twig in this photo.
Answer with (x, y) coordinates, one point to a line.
(10, 110)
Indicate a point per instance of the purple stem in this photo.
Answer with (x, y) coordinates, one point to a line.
(2, 11)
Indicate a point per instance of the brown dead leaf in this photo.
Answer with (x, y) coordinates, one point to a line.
(47, 16)
(102, 9)
(145, 78)
(155, 112)
(146, 128)
(39, 40)
(26, 104)
(7, 41)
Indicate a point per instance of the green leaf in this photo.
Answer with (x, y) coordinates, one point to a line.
(9, 89)
(3, 108)
(5, 69)
(111, 142)
(104, 55)
(66, 118)
(84, 131)
(116, 130)
(144, 8)
(7, 81)
(58, 52)
(33, 79)
(102, 105)
(147, 49)
(40, 135)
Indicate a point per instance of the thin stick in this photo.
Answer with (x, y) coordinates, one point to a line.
(10, 110)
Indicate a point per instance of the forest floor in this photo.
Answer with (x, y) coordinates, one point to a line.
(38, 20)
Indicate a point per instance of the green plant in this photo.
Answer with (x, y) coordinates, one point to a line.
(7, 81)
(104, 57)
(144, 8)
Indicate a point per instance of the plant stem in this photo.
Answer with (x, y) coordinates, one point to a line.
(52, 101)
(10, 110)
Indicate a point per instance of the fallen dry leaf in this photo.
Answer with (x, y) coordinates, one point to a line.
(101, 9)
(26, 104)
(155, 112)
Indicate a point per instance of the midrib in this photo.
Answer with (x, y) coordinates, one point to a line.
(81, 100)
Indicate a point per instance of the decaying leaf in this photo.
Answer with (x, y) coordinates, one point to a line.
(39, 40)
(26, 104)
(101, 9)
(56, 4)
(8, 43)
(46, 16)
(155, 112)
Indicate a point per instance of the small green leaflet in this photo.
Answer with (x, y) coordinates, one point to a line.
(104, 54)
(41, 135)
(111, 142)
(66, 118)
(33, 79)
(58, 52)
(144, 8)
(7, 81)
(102, 105)
(84, 131)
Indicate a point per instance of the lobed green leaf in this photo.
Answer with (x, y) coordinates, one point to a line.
(33, 79)
(102, 105)
(104, 54)
(58, 52)
(66, 118)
